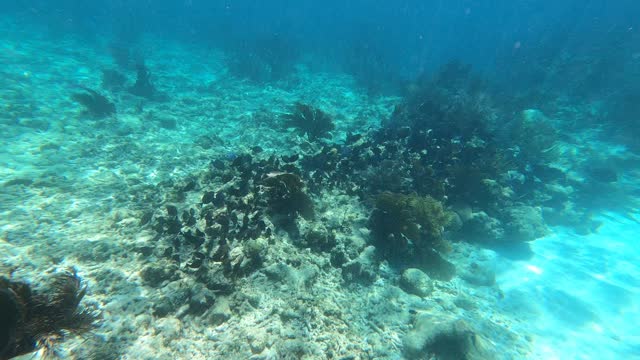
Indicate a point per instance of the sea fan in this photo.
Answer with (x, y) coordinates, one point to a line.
(42, 319)
(309, 120)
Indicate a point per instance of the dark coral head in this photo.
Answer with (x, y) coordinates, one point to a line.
(8, 319)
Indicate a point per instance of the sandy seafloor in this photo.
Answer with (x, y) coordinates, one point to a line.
(578, 297)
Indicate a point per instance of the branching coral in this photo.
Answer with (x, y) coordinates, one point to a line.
(309, 120)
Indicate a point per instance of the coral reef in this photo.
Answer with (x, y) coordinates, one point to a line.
(225, 237)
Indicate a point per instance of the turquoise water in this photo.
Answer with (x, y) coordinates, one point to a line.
(295, 181)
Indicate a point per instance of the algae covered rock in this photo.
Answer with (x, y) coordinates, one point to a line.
(215, 279)
(278, 272)
(296, 277)
(445, 337)
(220, 312)
(317, 237)
(509, 232)
(399, 220)
(175, 295)
(416, 282)
(479, 275)
(481, 227)
(155, 274)
(363, 268)
(524, 223)
(433, 264)
(408, 231)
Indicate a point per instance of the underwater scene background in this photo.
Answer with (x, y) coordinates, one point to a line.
(319, 180)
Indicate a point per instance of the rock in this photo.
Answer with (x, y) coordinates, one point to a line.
(464, 302)
(524, 223)
(533, 116)
(338, 256)
(279, 272)
(163, 307)
(364, 268)
(290, 349)
(174, 296)
(257, 341)
(434, 265)
(569, 214)
(37, 124)
(317, 237)
(479, 275)
(304, 276)
(482, 228)
(463, 210)
(201, 298)
(155, 274)
(556, 195)
(220, 312)
(416, 282)
(167, 123)
(170, 328)
(445, 337)
(455, 222)
(307, 274)
(216, 281)
(208, 197)
(244, 303)
(495, 190)
(255, 249)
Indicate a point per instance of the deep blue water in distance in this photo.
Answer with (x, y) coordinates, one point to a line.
(412, 36)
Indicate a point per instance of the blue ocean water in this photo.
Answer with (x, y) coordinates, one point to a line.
(320, 180)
